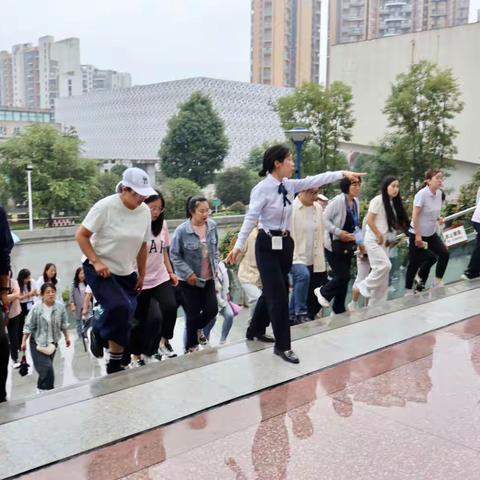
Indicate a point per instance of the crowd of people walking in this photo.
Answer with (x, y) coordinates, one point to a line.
(295, 253)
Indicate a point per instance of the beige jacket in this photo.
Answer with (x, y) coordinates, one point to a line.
(299, 237)
(248, 271)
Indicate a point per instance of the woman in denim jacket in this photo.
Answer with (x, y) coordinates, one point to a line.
(45, 323)
(194, 256)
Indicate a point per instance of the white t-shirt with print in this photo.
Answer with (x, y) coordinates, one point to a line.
(118, 233)
(377, 207)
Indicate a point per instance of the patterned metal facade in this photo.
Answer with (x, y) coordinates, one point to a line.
(129, 124)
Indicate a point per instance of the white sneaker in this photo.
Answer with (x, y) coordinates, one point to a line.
(353, 306)
(362, 288)
(409, 292)
(166, 350)
(16, 365)
(321, 299)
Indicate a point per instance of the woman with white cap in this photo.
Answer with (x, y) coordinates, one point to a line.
(113, 239)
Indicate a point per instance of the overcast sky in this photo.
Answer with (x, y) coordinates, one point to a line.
(154, 40)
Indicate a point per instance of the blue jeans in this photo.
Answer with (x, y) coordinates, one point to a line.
(227, 314)
(301, 281)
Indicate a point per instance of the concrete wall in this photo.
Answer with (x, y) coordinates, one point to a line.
(371, 67)
(58, 245)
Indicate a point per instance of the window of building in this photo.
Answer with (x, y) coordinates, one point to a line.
(3, 131)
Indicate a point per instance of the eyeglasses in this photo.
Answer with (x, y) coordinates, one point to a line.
(203, 212)
(157, 209)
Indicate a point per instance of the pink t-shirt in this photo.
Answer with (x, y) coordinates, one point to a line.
(201, 231)
(156, 272)
(15, 308)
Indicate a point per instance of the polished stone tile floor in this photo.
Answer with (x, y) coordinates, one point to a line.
(73, 365)
(409, 411)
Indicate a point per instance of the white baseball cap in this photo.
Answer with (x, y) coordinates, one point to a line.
(138, 180)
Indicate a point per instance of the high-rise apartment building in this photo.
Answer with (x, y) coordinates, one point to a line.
(6, 79)
(285, 42)
(34, 76)
(96, 80)
(357, 20)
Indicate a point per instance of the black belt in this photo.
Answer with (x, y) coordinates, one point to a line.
(278, 233)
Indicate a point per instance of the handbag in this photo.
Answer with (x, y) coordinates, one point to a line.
(343, 248)
(48, 350)
(235, 308)
(23, 370)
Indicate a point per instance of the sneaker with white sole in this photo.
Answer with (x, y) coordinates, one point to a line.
(353, 307)
(16, 364)
(409, 292)
(321, 299)
(166, 350)
(137, 363)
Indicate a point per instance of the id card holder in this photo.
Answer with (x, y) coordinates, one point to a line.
(277, 243)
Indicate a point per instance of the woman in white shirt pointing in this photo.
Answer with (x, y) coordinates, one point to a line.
(270, 205)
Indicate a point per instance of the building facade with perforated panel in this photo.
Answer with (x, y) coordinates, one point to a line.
(128, 125)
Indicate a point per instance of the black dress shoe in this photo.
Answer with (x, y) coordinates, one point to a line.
(287, 355)
(261, 338)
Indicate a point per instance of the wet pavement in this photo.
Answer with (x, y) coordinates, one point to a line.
(73, 365)
(409, 411)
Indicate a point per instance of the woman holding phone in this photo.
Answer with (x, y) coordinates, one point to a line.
(194, 256)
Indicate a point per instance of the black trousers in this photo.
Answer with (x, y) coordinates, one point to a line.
(21, 321)
(272, 305)
(421, 260)
(4, 354)
(150, 324)
(44, 366)
(13, 336)
(200, 305)
(336, 288)
(473, 269)
(317, 279)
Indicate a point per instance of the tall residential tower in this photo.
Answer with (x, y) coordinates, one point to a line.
(285, 42)
(358, 20)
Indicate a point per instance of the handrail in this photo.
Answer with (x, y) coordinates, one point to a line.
(453, 216)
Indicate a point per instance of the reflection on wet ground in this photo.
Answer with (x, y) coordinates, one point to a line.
(73, 365)
(405, 412)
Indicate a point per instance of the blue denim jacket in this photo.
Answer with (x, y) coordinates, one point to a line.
(38, 326)
(186, 252)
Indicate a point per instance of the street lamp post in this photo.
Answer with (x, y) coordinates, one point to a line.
(298, 136)
(29, 169)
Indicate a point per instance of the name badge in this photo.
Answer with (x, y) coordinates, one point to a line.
(277, 243)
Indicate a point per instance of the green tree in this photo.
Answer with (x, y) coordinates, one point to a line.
(106, 183)
(61, 179)
(195, 144)
(118, 169)
(327, 112)
(176, 191)
(234, 185)
(254, 161)
(419, 110)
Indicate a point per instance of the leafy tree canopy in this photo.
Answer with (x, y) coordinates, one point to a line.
(195, 144)
(61, 179)
(176, 191)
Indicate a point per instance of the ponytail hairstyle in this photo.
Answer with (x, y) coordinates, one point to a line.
(397, 217)
(429, 174)
(275, 153)
(192, 204)
(157, 224)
